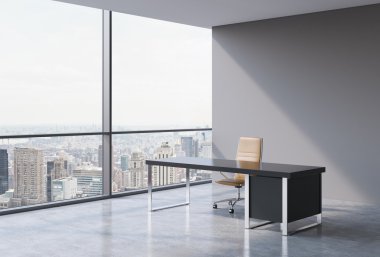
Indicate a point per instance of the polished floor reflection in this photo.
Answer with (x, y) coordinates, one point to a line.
(122, 227)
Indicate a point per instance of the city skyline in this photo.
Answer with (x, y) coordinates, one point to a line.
(54, 169)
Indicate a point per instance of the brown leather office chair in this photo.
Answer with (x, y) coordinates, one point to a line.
(249, 149)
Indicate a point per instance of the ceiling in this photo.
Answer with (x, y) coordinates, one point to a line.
(209, 13)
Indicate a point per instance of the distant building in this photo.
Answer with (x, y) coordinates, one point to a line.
(29, 176)
(205, 150)
(189, 146)
(117, 180)
(64, 189)
(55, 169)
(10, 176)
(49, 170)
(90, 180)
(124, 162)
(9, 193)
(162, 175)
(100, 156)
(196, 148)
(6, 199)
(4, 175)
(203, 136)
(178, 152)
(134, 177)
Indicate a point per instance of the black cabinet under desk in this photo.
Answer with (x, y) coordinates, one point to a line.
(304, 197)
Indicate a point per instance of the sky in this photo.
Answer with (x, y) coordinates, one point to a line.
(51, 68)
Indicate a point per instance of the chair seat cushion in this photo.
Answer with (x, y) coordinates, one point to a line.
(230, 182)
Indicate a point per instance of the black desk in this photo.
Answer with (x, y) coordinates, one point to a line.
(273, 192)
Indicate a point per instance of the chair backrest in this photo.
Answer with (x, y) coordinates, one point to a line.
(249, 149)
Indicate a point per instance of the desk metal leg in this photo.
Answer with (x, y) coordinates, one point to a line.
(188, 186)
(319, 218)
(284, 224)
(247, 224)
(312, 225)
(150, 189)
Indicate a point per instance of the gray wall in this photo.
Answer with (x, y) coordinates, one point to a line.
(310, 86)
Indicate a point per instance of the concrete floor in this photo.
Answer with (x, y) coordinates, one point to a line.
(122, 227)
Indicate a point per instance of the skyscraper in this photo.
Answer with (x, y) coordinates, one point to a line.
(29, 177)
(3, 171)
(59, 169)
(124, 162)
(187, 146)
(134, 178)
(49, 170)
(56, 169)
(164, 175)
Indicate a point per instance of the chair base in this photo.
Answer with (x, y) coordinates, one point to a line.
(231, 202)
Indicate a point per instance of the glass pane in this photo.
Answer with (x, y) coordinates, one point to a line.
(41, 170)
(50, 67)
(131, 151)
(161, 74)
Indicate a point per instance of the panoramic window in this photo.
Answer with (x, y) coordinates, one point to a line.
(51, 135)
(161, 80)
(51, 83)
(161, 74)
(50, 67)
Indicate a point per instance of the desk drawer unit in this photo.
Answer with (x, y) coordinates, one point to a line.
(304, 197)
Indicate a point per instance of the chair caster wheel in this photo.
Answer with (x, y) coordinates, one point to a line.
(229, 203)
(231, 211)
(215, 206)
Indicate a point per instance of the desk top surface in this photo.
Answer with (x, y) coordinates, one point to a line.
(234, 166)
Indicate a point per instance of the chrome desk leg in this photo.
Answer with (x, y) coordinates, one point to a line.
(149, 187)
(188, 186)
(247, 224)
(150, 208)
(284, 224)
(319, 218)
(312, 225)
